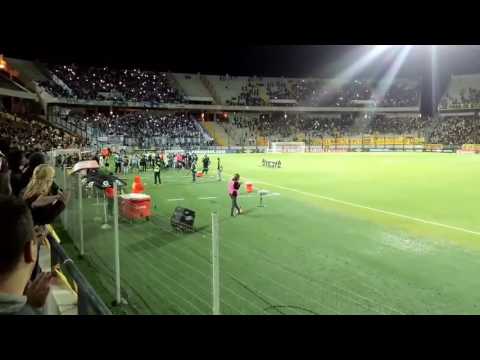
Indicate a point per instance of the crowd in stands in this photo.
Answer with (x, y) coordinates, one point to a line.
(467, 98)
(249, 94)
(327, 126)
(404, 125)
(283, 125)
(30, 135)
(444, 130)
(174, 128)
(54, 89)
(455, 131)
(322, 93)
(105, 83)
(400, 96)
(278, 90)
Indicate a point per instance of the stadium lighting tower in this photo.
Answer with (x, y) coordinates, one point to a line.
(434, 75)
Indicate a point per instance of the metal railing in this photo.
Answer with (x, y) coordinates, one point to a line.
(89, 303)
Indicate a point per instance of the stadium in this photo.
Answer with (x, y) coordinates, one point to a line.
(195, 194)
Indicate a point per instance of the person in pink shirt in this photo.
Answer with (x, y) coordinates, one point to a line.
(233, 188)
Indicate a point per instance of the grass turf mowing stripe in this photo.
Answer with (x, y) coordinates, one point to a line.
(277, 286)
(196, 258)
(200, 289)
(171, 284)
(197, 270)
(428, 222)
(347, 294)
(190, 251)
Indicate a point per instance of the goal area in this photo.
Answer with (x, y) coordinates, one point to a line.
(287, 147)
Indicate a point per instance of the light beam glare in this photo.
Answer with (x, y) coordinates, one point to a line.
(347, 75)
(386, 82)
(362, 63)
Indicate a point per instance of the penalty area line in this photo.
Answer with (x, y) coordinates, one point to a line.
(386, 212)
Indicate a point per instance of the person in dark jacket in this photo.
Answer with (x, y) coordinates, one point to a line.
(5, 187)
(206, 163)
(17, 163)
(18, 256)
(143, 163)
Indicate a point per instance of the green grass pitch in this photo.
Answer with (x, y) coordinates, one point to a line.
(350, 233)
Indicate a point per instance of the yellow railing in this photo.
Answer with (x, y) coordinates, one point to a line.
(377, 141)
(471, 147)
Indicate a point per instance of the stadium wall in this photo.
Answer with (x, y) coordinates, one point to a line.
(231, 108)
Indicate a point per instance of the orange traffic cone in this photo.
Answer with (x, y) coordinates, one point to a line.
(137, 186)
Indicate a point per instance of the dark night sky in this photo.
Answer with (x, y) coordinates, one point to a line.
(276, 60)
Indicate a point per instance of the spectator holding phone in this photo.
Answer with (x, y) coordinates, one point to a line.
(44, 205)
(18, 256)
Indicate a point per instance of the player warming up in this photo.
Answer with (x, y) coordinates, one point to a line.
(233, 187)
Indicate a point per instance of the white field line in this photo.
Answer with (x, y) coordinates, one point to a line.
(391, 213)
(257, 196)
(207, 197)
(175, 199)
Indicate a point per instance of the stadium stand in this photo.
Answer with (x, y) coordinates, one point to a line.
(34, 135)
(164, 129)
(406, 125)
(463, 92)
(316, 92)
(455, 130)
(95, 83)
(193, 88)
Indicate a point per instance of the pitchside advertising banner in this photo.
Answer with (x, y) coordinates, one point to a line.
(440, 148)
(470, 149)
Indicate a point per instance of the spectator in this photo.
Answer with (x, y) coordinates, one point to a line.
(34, 160)
(5, 187)
(45, 206)
(17, 162)
(105, 83)
(31, 135)
(18, 256)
